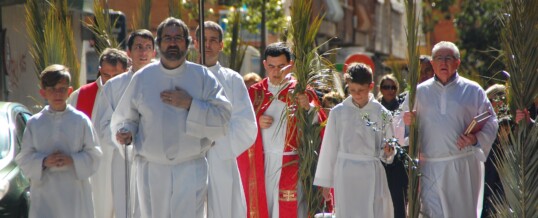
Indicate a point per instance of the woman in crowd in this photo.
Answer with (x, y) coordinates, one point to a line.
(396, 172)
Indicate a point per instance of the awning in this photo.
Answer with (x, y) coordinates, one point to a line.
(85, 6)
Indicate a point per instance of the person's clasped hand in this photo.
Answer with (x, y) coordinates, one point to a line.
(57, 159)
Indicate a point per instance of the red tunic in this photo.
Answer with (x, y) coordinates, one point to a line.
(86, 98)
(251, 162)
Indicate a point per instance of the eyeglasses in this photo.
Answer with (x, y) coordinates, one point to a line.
(448, 58)
(387, 87)
(178, 38)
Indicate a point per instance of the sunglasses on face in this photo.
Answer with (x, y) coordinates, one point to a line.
(387, 87)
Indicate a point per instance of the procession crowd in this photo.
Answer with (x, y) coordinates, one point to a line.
(172, 138)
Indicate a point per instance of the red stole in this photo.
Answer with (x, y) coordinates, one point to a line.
(86, 98)
(251, 162)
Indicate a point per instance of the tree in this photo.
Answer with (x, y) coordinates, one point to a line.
(247, 15)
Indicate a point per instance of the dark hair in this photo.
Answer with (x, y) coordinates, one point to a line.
(53, 74)
(143, 33)
(276, 49)
(114, 56)
(359, 73)
(172, 21)
(210, 25)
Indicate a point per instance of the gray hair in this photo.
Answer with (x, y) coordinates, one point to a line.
(446, 45)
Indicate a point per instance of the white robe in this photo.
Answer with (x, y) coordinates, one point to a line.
(108, 99)
(273, 147)
(350, 160)
(225, 191)
(101, 180)
(452, 181)
(63, 192)
(171, 142)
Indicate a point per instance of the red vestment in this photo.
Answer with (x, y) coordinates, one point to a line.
(251, 162)
(86, 98)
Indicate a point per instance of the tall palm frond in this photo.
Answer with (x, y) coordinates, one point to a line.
(142, 18)
(53, 50)
(51, 36)
(413, 190)
(308, 66)
(71, 58)
(35, 25)
(175, 7)
(517, 162)
(237, 48)
(101, 27)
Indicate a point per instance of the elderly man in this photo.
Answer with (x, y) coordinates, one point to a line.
(452, 163)
(171, 111)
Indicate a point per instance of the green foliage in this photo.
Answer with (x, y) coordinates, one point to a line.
(143, 15)
(237, 47)
(518, 160)
(310, 69)
(478, 31)
(249, 18)
(479, 42)
(101, 27)
(35, 26)
(51, 36)
(175, 7)
(276, 20)
(413, 190)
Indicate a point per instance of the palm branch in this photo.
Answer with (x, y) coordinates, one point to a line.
(101, 27)
(175, 7)
(142, 19)
(309, 66)
(72, 60)
(35, 25)
(517, 162)
(413, 190)
(237, 48)
(51, 36)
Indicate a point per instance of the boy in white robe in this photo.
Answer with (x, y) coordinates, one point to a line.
(59, 153)
(352, 151)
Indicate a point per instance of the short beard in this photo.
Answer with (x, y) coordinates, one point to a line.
(173, 56)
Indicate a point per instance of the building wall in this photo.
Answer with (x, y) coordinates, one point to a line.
(22, 80)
